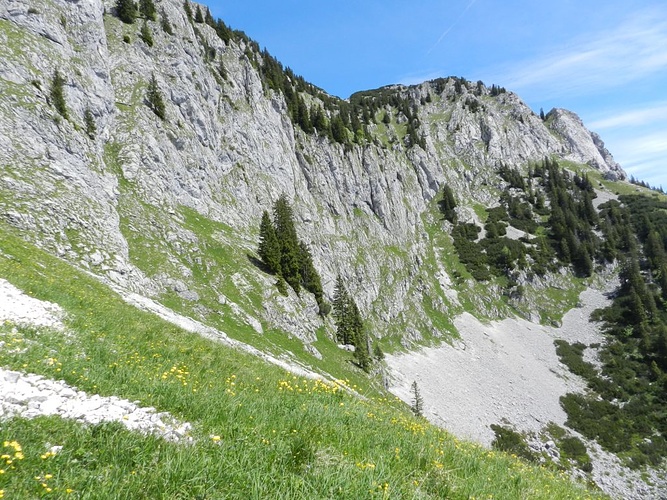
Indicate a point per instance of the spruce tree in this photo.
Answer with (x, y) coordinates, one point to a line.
(165, 24)
(448, 204)
(154, 98)
(126, 10)
(208, 18)
(340, 306)
(188, 9)
(199, 18)
(58, 94)
(147, 9)
(359, 336)
(269, 248)
(417, 400)
(89, 122)
(289, 243)
(146, 34)
(310, 278)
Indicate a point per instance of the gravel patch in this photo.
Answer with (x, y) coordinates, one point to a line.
(508, 372)
(502, 371)
(29, 396)
(21, 309)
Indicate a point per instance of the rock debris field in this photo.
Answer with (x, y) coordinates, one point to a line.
(30, 395)
(499, 371)
(507, 372)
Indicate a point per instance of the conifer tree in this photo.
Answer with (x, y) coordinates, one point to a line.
(199, 18)
(188, 9)
(289, 243)
(208, 18)
(417, 400)
(359, 336)
(269, 248)
(146, 34)
(165, 24)
(89, 122)
(448, 204)
(126, 10)
(340, 306)
(662, 281)
(147, 9)
(154, 98)
(57, 94)
(310, 278)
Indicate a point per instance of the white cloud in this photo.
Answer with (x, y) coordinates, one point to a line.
(642, 153)
(643, 147)
(651, 113)
(633, 51)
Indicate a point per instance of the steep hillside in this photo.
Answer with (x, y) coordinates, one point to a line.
(146, 201)
(145, 154)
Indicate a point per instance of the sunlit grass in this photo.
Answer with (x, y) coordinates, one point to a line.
(258, 432)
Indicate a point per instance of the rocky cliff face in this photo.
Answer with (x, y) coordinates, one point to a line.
(171, 208)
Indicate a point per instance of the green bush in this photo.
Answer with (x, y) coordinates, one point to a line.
(512, 442)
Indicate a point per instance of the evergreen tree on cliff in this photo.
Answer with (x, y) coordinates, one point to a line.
(340, 304)
(126, 10)
(154, 98)
(289, 244)
(310, 278)
(269, 248)
(448, 204)
(147, 9)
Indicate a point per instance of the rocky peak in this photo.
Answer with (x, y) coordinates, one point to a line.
(228, 147)
(583, 146)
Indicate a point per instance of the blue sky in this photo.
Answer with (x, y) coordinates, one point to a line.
(604, 60)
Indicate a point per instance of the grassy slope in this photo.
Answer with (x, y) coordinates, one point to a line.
(279, 436)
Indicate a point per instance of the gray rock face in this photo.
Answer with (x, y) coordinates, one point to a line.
(118, 203)
(582, 145)
(30, 396)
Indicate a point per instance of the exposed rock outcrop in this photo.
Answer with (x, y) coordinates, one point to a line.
(226, 150)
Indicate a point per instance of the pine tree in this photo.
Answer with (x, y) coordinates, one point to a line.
(417, 401)
(310, 278)
(165, 24)
(89, 122)
(126, 10)
(662, 280)
(359, 336)
(154, 98)
(58, 94)
(289, 243)
(199, 18)
(448, 204)
(208, 18)
(147, 9)
(269, 248)
(340, 306)
(146, 34)
(188, 9)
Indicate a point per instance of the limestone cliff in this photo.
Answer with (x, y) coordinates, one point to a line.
(170, 208)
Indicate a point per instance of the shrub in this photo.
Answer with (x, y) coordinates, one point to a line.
(510, 441)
